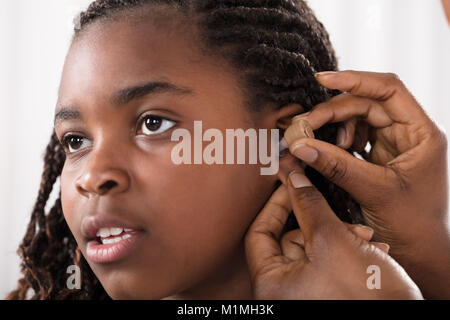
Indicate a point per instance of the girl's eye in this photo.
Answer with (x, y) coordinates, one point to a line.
(152, 125)
(75, 143)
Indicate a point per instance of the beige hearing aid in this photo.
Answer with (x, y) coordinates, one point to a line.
(299, 128)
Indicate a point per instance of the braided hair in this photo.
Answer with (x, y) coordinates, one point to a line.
(276, 47)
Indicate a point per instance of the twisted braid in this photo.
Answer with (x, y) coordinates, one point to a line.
(48, 246)
(276, 47)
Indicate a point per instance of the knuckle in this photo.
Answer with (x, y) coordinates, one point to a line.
(335, 170)
(392, 76)
(435, 137)
(309, 196)
(393, 80)
(402, 183)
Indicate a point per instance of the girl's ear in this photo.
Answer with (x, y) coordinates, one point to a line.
(283, 118)
(284, 115)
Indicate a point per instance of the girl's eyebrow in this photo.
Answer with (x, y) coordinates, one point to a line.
(124, 96)
(66, 113)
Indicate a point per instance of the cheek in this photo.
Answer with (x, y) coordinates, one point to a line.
(69, 202)
(209, 206)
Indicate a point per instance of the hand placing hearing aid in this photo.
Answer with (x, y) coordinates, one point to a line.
(299, 128)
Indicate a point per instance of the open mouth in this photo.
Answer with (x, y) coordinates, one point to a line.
(113, 235)
(112, 244)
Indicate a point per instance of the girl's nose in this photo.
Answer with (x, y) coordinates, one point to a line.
(102, 176)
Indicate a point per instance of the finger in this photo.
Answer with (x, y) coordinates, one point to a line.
(344, 107)
(312, 211)
(363, 232)
(360, 178)
(261, 240)
(382, 246)
(384, 87)
(346, 133)
(288, 163)
(292, 245)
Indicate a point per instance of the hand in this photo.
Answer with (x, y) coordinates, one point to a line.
(403, 186)
(324, 259)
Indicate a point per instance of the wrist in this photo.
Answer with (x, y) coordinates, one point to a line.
(427, 262)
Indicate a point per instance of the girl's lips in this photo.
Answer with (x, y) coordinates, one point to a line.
(105, 253)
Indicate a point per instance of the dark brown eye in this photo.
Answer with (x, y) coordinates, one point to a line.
(75, 143)
(152, 125)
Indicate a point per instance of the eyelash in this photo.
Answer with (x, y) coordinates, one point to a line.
(66, 138)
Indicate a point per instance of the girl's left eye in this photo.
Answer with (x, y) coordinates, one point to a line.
(152, 125)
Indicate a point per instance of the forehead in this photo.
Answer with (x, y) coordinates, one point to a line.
(118, 53)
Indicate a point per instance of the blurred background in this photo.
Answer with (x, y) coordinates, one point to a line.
(407, 37)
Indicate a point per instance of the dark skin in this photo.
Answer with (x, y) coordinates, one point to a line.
(446, 5)
(152, 192)
(403, 188)
(188, 236)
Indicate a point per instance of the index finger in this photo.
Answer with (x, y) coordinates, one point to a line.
(262, 239)
(386, 88)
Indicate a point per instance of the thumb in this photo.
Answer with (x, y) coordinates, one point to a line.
(314, 215)
(354, 175)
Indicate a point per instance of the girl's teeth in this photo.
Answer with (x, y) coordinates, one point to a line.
(107, 241)
(115, 239)
(115, 231)
(106, 232)
(103, 232)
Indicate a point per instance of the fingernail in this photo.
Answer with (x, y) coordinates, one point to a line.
(368, 231)
(385, 246)
(305, 153)
(299, 180)
(324, 73)
(341, 135)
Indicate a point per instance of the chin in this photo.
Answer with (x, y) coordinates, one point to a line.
(121, 290)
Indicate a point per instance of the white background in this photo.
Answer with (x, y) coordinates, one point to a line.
(408, 37)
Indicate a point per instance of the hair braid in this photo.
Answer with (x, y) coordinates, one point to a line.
(276, 46)
(49, 247)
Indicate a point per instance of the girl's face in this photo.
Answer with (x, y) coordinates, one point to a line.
(192, 217)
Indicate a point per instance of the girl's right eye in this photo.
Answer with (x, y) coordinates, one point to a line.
(74, 143)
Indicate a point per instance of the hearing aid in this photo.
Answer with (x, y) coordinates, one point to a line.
(299, 128)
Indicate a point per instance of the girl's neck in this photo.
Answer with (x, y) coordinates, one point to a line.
(231, 282)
